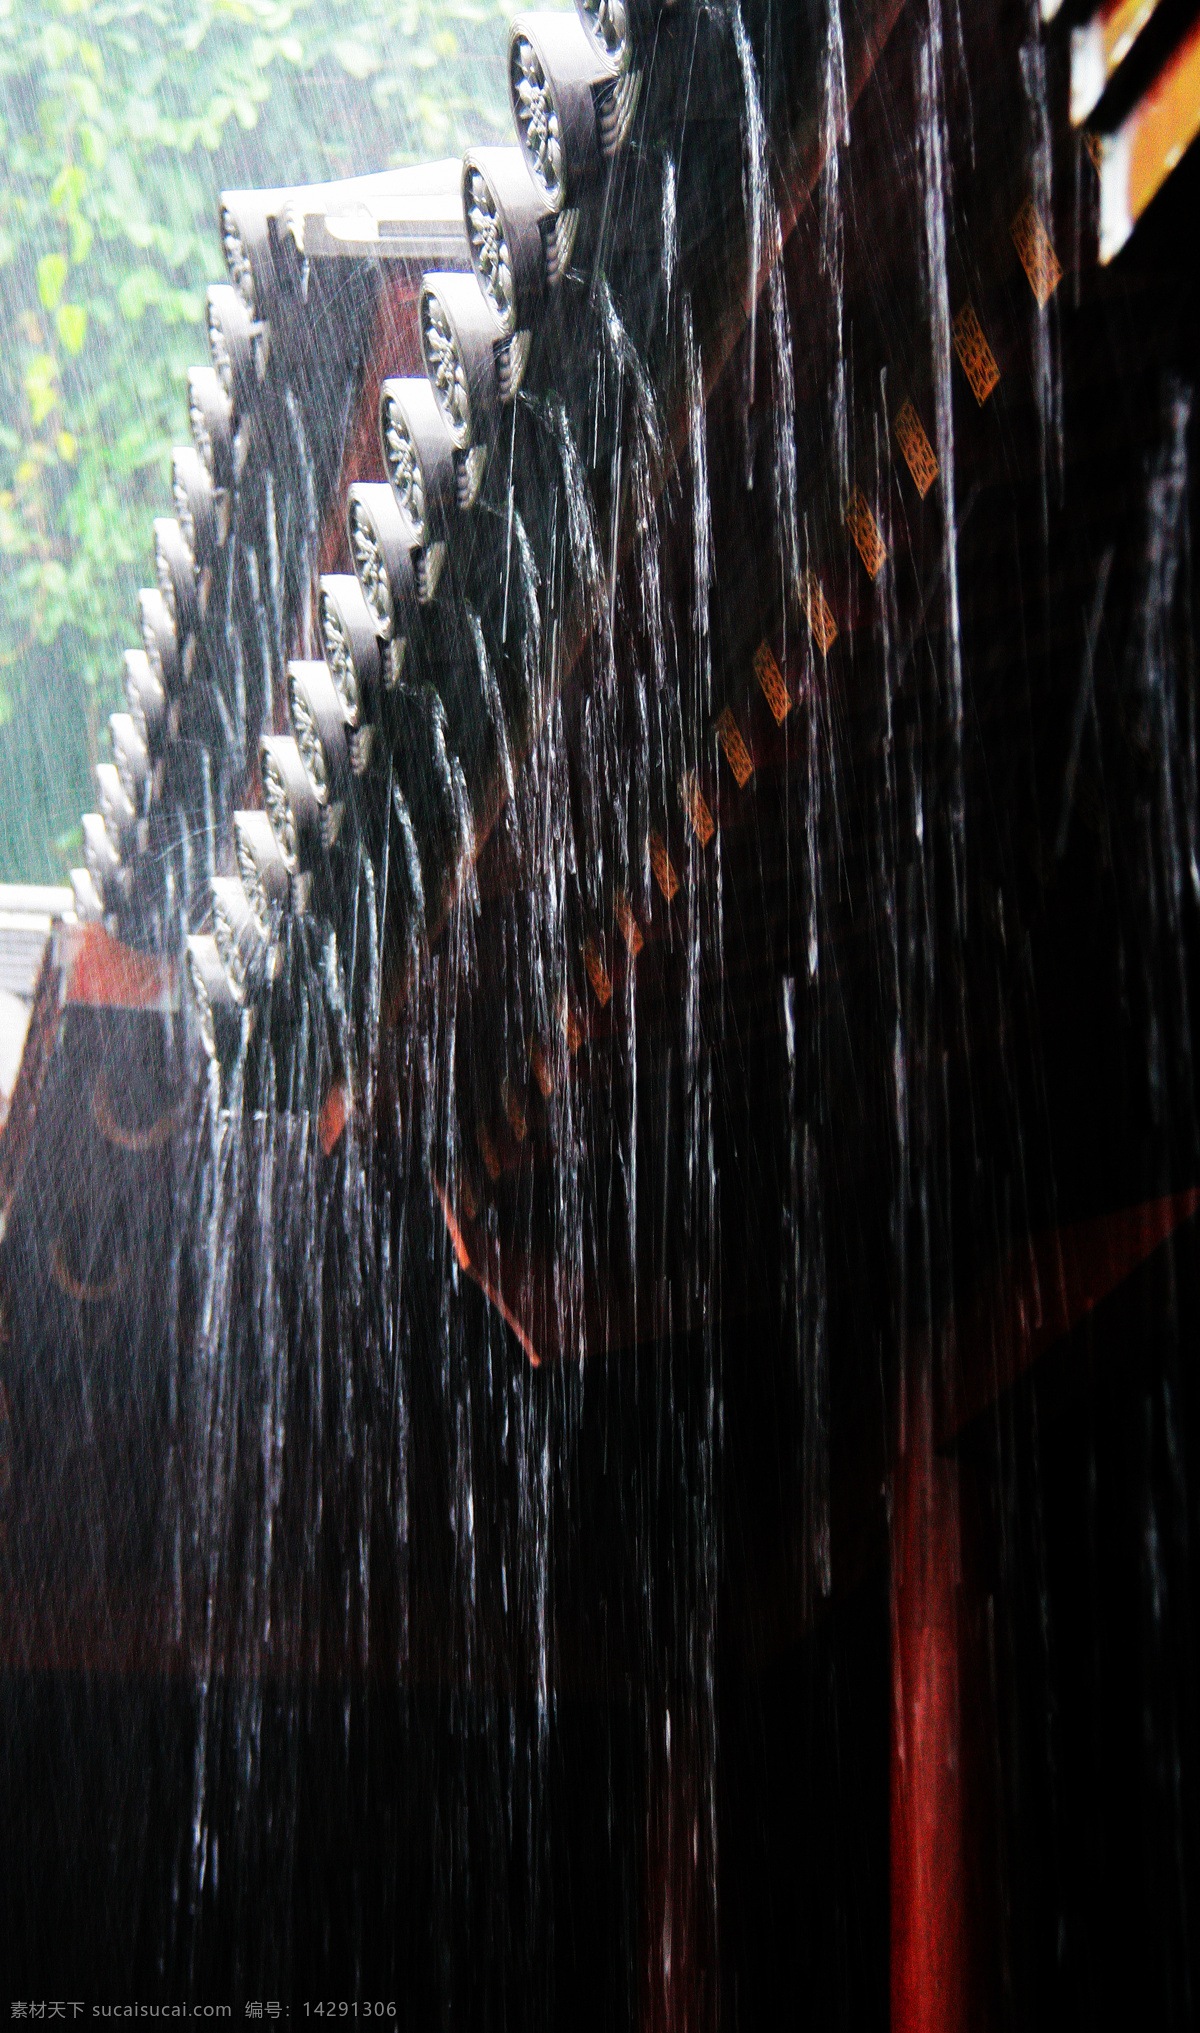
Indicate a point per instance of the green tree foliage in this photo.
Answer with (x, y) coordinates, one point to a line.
(120, 122)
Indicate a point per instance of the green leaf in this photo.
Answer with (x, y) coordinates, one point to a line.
(354, 57)
(40, 386)
(67, 190)
(71, 320)
(140, 289)
(92, 145)
(51, 275)
(58, 46)
(87, 98)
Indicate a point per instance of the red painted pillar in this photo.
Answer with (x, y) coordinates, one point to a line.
(678, 1950)
(928, 1903)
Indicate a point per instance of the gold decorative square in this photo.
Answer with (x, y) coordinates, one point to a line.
(975, 356)
(487, 1151)
(696, 806)
(734, 749)
(570, 1025)
(868, 538)
(819, 613)
(541, 1067)
(918, 453)
(597, 973)
(628, 925)
(1036, 251)
(664, 873)
(770, 679)
(514, 1109)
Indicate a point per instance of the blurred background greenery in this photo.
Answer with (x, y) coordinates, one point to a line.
(120, 121)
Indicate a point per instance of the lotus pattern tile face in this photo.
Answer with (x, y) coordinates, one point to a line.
(404, 467)
(181, 501)
(607, 23)
(237, 261)
(204, 1015)
(308, 741)
(229, 946)
(279, 812)
(166, 585)
(537, 117)
(219, 354)
(137, 712)
(368, 563)
(253, 887)
(150, 643)
(340, 661)
(201, 436)
(129, 777)
(445, 365)
(110, 812)
(489, 248)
